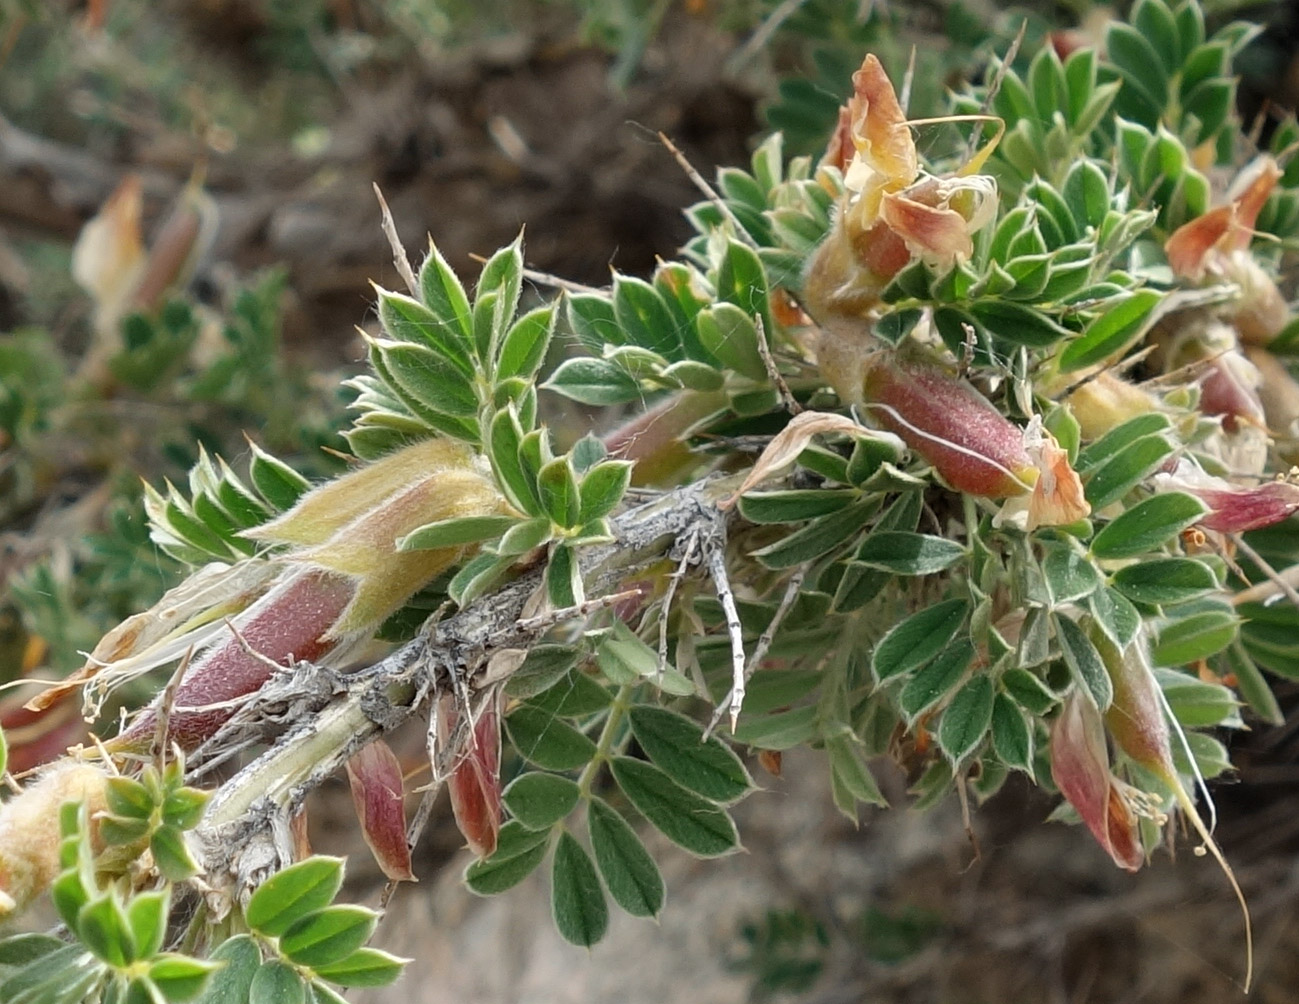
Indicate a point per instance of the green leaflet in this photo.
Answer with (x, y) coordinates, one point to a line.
(674, 743)
(689, 821)
(629, 873)
(577, 900)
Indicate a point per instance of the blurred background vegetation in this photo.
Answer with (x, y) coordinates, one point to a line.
(261, 125)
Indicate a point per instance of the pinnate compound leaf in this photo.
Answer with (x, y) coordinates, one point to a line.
(742, 280)
(524, 347)
(319, 993)
(1112, 332)
(278, 483)
(564, 577)
(1017, 323)
(103, 927)
(689, 821)
(850, 772)
(1195, 637)
(37, 980)
(731, 337)
(578, 902)
(793, 506)
(540, 800)
(781, 731)
(146, 915)
(129, 798)
(544, 666)
(560, 496)
(575, 695)
(445, 298)
(497, 297)
(408, 320)
(675, 744)
(171, 854)
(916, 640)
(1116, 616)
(644, 317)
(291, 894)
(20, 949)
(1133, 464)
(966, 719)
(329, 935)
(817, 538)
(1147, 525)
(602, 488)
(629, 873)
(1069, 575)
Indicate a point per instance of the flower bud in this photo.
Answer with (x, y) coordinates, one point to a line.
(348, 580)
(329, 507)
(1135, 718)
(1106, 402)
(29, 829)
(969, 443)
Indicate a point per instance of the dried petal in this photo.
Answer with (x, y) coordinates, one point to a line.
(792, 440)
(109, 254)
(1278, 392)
(1057, 497)
(1261, 312)
(885, 158)
(375, 776)
(1196, 245)
(188, 617)
(937, 217)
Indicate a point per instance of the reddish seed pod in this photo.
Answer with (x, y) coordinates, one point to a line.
(971, 444)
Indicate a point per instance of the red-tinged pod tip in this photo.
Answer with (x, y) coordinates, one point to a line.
(377, 787)
(1080, 767)
(969, 443)
(475, 781)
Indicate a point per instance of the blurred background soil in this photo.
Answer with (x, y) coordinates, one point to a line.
(477, 120)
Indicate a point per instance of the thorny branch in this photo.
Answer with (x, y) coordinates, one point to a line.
(244, 833)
